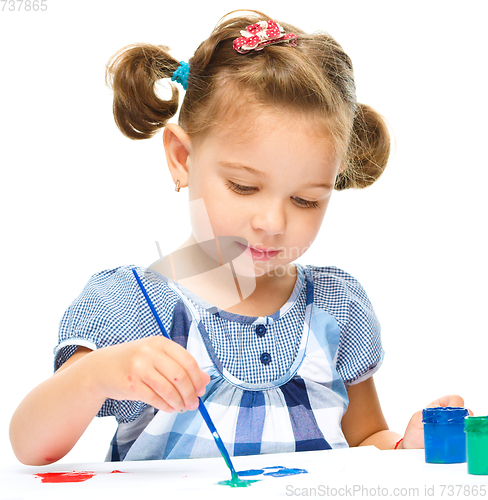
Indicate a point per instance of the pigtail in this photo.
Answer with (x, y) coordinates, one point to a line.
(369, 150)
(132, 74)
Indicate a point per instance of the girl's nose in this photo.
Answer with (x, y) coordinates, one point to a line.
(270, 218)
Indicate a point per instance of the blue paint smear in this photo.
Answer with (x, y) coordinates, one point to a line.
(285, 472)
(279, 471)
(250, 472)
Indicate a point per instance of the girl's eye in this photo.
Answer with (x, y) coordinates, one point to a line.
(299, 202)
(240, 189)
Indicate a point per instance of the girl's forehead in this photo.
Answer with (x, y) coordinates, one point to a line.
(259, 125)
(241, 115)
(270, 141)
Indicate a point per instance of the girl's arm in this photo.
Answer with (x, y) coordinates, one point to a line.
(54, 415)
(363, 423)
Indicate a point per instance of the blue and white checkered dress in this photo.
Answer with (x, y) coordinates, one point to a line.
(278, 383)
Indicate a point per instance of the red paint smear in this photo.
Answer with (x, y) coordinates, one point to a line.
(65, 477)
(117, 472)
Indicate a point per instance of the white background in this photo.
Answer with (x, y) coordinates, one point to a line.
(78, 197)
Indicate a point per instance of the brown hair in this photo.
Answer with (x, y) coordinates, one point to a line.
(315, 78)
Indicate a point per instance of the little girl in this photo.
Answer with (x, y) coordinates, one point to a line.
(283, 354)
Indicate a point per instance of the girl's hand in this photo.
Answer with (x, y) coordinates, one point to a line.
(154, 370)
(414, 433)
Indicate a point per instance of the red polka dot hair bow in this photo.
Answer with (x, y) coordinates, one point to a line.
(258, 35)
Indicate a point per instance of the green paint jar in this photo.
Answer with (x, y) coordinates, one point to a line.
(476, 429)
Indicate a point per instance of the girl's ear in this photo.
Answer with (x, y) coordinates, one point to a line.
(177, 146)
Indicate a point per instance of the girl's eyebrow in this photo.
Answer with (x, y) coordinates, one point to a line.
(260, 173)
(229, 164)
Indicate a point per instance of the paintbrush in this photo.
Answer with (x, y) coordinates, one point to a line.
(201, 406)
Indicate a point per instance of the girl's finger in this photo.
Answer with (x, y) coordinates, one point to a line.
(184, 359)
(173, 383)
(149, 396)
(450, 400)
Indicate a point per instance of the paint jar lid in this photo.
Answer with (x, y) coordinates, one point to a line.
(444, 415)
(476, 424)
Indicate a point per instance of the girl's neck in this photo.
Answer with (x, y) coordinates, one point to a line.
(269, 297)
(247, 296)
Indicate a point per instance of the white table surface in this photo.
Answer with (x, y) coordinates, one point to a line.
(355, 472)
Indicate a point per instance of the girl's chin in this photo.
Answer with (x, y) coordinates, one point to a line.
(259, 270)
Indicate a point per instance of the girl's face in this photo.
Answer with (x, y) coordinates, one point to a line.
(269, 182)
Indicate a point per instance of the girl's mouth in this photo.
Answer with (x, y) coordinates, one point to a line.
(262, 254)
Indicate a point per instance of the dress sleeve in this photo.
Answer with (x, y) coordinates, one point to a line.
(107, 312)
(360, 352)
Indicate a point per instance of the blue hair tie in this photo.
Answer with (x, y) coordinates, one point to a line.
(181, 74)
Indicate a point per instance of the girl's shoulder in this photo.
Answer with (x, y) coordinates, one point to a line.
(336, 289)
(122, 278)
(116, 273)
(324, 276)
(121, 275)
(111, 308)
(112, 291)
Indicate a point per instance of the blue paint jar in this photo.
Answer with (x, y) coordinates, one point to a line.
(444, 438)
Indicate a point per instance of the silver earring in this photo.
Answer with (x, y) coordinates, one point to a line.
(177, 187)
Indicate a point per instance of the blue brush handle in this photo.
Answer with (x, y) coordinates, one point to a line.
(201, 406)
